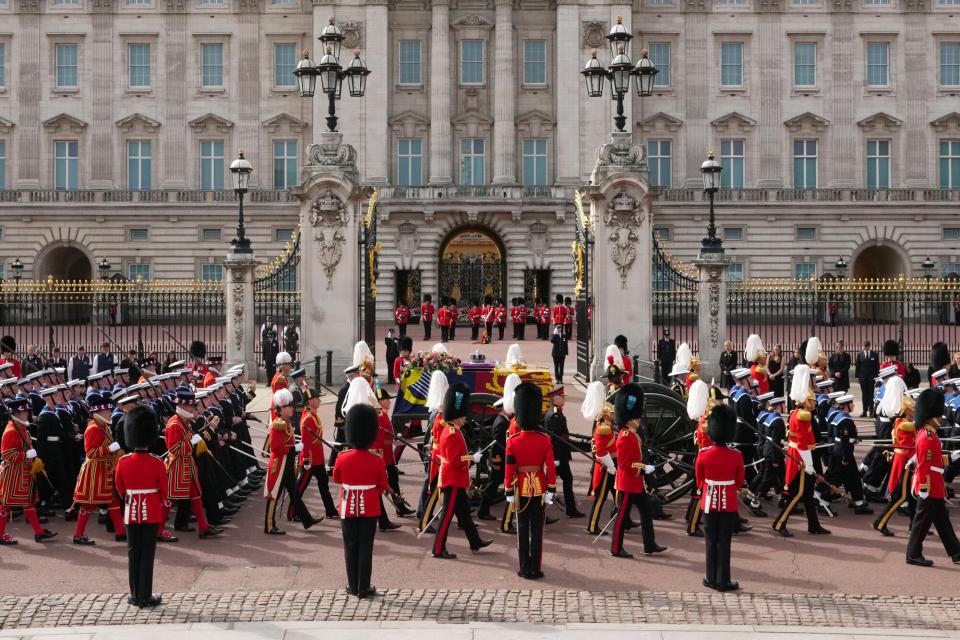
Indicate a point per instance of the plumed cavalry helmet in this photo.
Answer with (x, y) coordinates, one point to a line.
(892, 402)
(437, 390)
(140, 427)
(198, 349)
(509, 387)
(800, 389)
(628, 404)
(594, 401)
(930, 405)
(697, 400)
(282, 398)
(528, 405)
(362, 423)
(456, 402)
(812, 351)
(722, 424)
(614, 356)
(753, 350)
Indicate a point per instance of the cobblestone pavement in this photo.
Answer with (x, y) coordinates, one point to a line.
(550, 607)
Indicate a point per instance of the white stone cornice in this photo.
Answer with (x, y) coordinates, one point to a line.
(6, 126)
(137, 121)
(64, 121)
(217, 123)
(660, 120)
(807, 121)
(734, 121)
(948, 122)
(880, 121)
(295, 125)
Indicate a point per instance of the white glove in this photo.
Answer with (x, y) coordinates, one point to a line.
(912, 462)
(31, 454)
(477, 456)
(807, 457)
(556, 463)
(196, 438)
(298, 447)
(548, 497)
(510, 499)
(607, 461)
(306, 466)
(955, 456)
(923, 495)
(114, 447)
(648, 469)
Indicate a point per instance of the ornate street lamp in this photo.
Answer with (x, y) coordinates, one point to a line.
(306, 74)
(331, 72)
(841, 267)
(17, 268)
(711, 170)
(619, 38)
(104, 268)
(645, 72)
(927, 268)
(241, 170)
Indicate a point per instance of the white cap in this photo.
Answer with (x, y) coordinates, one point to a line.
(740, 373)
(886, 372)
(284, 358)
(283, 397)
(845, 399)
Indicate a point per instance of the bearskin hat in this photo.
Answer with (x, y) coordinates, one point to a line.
(628, 403)
(528, 406)
(427, 298)
(8, 344)
(621, 342)
(362, 426)
(198, 349)
(456, 401)
(930, 405)
(891, 348)
(140, 427)
(406, 343)
(722, 424)
(939, 356)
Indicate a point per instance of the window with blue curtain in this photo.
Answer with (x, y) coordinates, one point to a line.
(285, 170)
(67, 65)
(735, 272)
(410, 72)
(534, 61)
(804, 270)
(410, 162)
(139, 164)
(732, 160)
(805, 164)
(139, 62)
(211, 65)
(471, 62)
(949, 64)
(211, 272)
(472, 165)
(211, 165)
(139, 270)
(659, 159)
(804, 64)
(534, 162)
(950, 164)
(878, 64)
(659, 53)
(878, 164)
(284, 62)
(731, 64)
(66, 164)
(3, 65)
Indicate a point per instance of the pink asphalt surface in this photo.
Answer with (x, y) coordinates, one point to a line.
(855, 559)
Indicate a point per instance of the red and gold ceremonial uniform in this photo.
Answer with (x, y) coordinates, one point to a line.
(904, 437)
(931, 507)
(800, 437)
(430, 494)
(311, 462)
(200, 372)
(182, 480)
(281, 476)
(930, 464)
(402, 316)
(631, 491)
(453, 481)
(695, 509)
(602, 482)
(95, 480)
(280, 381)
(426, 313)
(17, 478)
(759, 373)
(141, 480)
(530, 473)
(719, 474)
(362, 479)
(798, 476)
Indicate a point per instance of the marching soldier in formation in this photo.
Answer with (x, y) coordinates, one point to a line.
(429, 495)
(555, 422)
(599, 412)
(19, 468)
(842, 468)
(773, 439)
(681, 369)
(904, 435)
(755, 357)
(875, 466)
(501, 438)
(745, 404)
(311, 456)
(281, 475)
(95, 483)
(383, 447)
(699, 405)
(349, 374)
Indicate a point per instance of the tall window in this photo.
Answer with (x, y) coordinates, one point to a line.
(804, 270)
(878, 164)
(285, 164)
(138, 58)
(211, 272)
(66, 63)
(805, 164)
(878, 64)
(731, 64)
(211, 165)
(139, 164)
(534, 162)
(139, 270)
(731, 159)
(471, 62)
(534, 61)
(472, 161)
(211, 65)
(284, 62)
(804, 64)
(3, 66)
(949, 64)
(65, 164)
(735, 272)
(139, 2)
(876, 3)
(660, 57)
(658, 157)
(214, 2)
(410, 162)
(410, 62)
(950, 164)
(3, 164)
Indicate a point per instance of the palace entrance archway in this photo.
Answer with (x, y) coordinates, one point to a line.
(472, 265)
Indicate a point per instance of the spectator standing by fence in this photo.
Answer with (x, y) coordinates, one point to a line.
(291, 340)
(79, 366)
(269, 345)
(868, 366)
(104, 360)
(56, 360)
(839, 365)
(33, 362)
(728, 362)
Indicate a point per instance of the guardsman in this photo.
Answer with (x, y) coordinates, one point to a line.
(426, 315)
(719, 473)
(500, 318)
(401, 363)
(198, 364)
(507, 403)
(560, 313)
(475, 318)
(281, 378)
(621, 343)
(631, 470)
(443, 319)
(699, 405)
(514, 308)
(773, 438)
(928, 484)
(280, 472)
(454, 317)
(842, 468)
(799, 476)
(904, 449)
(454, 476)
(383, 447)
(616, 368)
(8, 349)
(755, 357)
(531, 478)
(95, 481)
(362, 479)
(555, 422)
(522, 313)
(298, 385)
(402, 316)
(311, 456)
(429, 494)
(141, 482)
(19, 467)
(599, 412)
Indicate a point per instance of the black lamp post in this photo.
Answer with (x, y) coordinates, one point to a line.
(841, 267)
(927, 269)
(241, 170)
(620, 71)
(331, 73)
(711, 170)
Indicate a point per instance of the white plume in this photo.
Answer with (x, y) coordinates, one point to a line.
(359, 392)
(812, 356)
(509, 386)
(514, 355)
(614, 356)
(593, 401)
(684, 355)
(753, 347)
(360, 352)
(438, 388)
(697, 399)
(891, 404)
(439, 348)
(800, 388)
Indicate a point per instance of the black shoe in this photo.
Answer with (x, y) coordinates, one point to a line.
(709, 584)
(220, 522)
(445, 555)
(46, 535)
(276, 532)
(120, 537)
(757, 512)
(390, 526)
(485, 515)
(523, 574)
(83, 540)
(483, 543)
(404, 511)
(730, 586)
(512, 530)
(656, 549)
(862, 510)
(698, 533)
(783, 531)
(956, 559)
(229, 511)
(185, 528)
(333, 515)
(550, 520)
(70, 515)
(369, 592)
(132, 602)
(211, 532)
(886, 532)
(312, 521)
(819, 531)
(920, 561)
(742, 528)
(151, 602)
(621, 554)
(351, 592)
(598, 533)
(576, 514)
(6, 540)
(535, 575)
(169, 538)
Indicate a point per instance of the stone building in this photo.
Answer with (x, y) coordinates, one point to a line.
(836, 120)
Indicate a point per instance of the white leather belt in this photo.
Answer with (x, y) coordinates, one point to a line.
(358, 487)
(936, 469)
(884, 419)
(838, 439)
(719, 483)
(140, 492)
(53, 438)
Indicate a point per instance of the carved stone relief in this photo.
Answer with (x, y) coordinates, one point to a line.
(328, 218)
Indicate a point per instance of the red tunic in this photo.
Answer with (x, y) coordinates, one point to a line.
(530, 470)
(513, 428)
(362, 478)
(475, 316)
(435, 430)
(279, 381)
(500, 317)
(761, 377)
(629, 462)
(95, 480)
(398, 366)
(426, 313)
(904, 446)
(719, 475)
(383, 444)
(800, 437)
(488, 313)
(929, 475)
(571, 313)
(311, 430)
(701, 436)
(454, 459)
(16, 479)
(281, 442)
(142, 482)
(560, 314)
(443, 317)
(604, 442)
(200, 374)
(182, 480)
(402, 314)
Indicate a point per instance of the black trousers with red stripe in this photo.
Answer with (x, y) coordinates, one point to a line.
(626, 500)
(530, 520)
(455, 503)
(319, 472)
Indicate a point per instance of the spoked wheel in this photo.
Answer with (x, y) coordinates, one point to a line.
(478, 432)
(668, 440)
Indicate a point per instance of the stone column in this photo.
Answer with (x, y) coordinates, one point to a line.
(440, 162)
(376, 135)
(570, 92)
(241, 327)
(331, 213)
(621, 265)
(174, 132)
(712, 314)
(842, 135)
(504, 129)
(28, 46)
(101, 121)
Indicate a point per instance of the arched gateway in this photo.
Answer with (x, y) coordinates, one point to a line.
(472, 265)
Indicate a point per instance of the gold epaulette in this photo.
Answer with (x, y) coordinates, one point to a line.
(693, 377)
(279, 423)
(604, 429)
(761, 370)
(907, 426)
(804, 416)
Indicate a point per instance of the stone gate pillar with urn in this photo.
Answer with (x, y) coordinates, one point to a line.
(240, 269)
(621, 266)
(331, 215)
